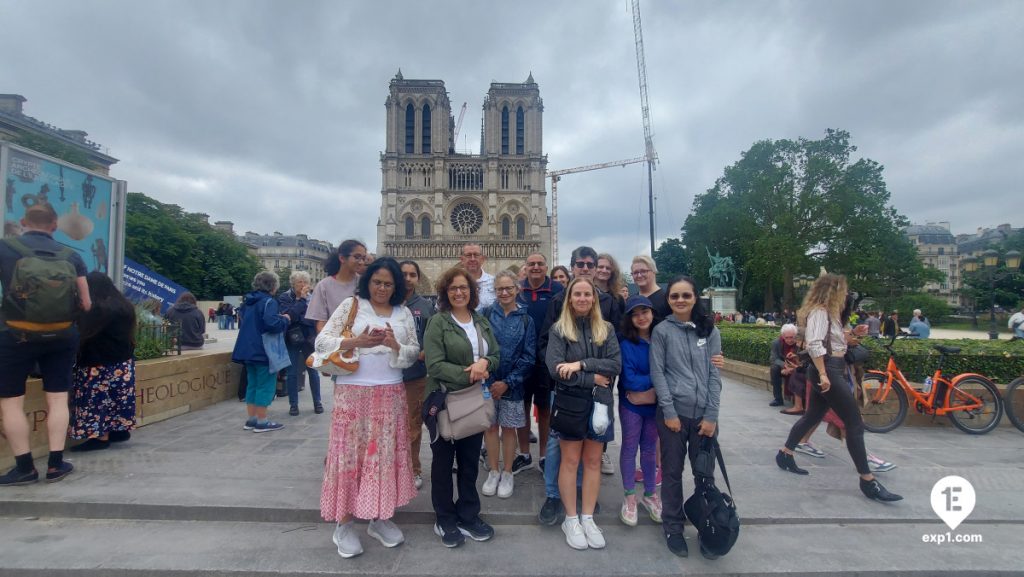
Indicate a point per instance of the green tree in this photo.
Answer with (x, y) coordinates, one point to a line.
(284, 279)
(55, 148)
(671, 259)
(789, 207)
(1009, 284)
(183, 247)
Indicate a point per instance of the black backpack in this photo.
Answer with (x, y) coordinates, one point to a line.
(710, 510)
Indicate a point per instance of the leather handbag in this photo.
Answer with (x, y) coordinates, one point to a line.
(640, 398)
(468, 411)
(857, 355)
(570, 413)
(339, 362)
(295, 337)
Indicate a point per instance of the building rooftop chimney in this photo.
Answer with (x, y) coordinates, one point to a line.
(11, 103)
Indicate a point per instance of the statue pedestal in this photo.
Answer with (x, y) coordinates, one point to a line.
(723, 300)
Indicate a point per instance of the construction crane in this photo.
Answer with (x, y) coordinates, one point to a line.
(651, 155)
(556, 175)
(458, 126)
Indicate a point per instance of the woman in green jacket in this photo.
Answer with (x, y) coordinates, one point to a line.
(460, 351)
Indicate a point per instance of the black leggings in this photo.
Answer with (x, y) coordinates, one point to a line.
(840, 399)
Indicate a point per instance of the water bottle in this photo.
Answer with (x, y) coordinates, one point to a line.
(927, 385)
(487, 392)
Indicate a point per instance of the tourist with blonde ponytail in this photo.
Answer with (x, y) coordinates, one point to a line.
(820, 317)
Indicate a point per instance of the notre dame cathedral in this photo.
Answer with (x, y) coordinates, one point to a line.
(434, 200)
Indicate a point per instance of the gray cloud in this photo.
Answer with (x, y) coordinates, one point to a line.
(271, 114)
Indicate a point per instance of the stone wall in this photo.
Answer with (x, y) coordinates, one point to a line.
(164, 388)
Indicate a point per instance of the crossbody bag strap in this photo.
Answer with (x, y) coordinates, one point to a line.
(721, 465)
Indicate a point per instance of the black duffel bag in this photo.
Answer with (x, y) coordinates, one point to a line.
(710, 510)
(570, 413)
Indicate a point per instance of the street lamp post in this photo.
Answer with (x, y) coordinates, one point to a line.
(989, 263)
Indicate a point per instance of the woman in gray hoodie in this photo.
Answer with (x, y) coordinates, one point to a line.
(689, 392)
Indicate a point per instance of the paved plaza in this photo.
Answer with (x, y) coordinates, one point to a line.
(197, 495)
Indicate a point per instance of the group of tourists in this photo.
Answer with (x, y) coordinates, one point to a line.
(555, 346)
(74, 328)
(523, 342)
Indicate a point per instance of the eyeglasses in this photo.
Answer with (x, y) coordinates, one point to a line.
(458, 289)
(680, 296)
(472, 255)
(359, 257)
(504, 289)
(583, 264)
(383, 285)
(641, 272)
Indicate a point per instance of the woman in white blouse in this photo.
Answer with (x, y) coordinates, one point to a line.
(820, 317)
(368, 473)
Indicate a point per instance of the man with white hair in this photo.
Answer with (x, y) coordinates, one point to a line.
(1016, 323)
(472, 260)
(781, 347)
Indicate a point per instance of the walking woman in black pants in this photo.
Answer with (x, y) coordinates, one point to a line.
(820, 316)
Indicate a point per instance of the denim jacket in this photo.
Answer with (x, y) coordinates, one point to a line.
(517, 338)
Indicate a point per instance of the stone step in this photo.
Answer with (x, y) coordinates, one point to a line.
(115, 548)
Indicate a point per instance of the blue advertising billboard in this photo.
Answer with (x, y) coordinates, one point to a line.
(82, 201)
(140, 284)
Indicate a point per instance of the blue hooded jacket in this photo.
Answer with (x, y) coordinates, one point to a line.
(259, 315)
(517, 338)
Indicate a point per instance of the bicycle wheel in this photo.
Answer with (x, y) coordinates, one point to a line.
(881, 415)
(987, 410)
(1013, 402)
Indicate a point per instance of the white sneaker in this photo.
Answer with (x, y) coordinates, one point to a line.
(347, 540)
(574, 533)
(491, 484)
(607, 467)
(505, 485)
(809, 449)
(386, 532)
(593, 534)
(418, 481)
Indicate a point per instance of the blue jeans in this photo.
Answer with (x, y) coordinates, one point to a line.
(1019, 332)
(222, 322)
(552, 461)
(298, 358)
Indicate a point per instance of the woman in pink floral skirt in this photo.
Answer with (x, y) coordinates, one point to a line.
(368, 473)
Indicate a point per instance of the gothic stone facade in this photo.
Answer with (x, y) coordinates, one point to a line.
(433, 200)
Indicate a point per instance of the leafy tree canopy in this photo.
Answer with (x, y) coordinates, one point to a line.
(183, 247)
(789, 207)
(1009, 284)
(55, 148)
(672, 259)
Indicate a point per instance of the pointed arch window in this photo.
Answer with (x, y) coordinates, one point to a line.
(504, 130)
(410, 128)
(425, 149)
(506, 227)
(425, 227)
(410, 228)
(521, 228)
(520, 130)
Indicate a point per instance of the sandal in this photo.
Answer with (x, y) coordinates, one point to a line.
(791, 412)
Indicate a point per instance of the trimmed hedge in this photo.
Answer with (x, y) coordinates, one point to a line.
(1001, 361)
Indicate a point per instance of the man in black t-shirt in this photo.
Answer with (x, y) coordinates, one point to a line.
(55, 358)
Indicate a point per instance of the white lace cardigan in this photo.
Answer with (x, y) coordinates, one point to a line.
(402, 323)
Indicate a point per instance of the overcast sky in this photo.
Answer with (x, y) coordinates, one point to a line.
(271, 114)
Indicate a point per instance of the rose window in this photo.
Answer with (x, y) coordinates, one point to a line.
(467, 218)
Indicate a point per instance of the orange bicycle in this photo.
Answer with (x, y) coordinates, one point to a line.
(971, 401)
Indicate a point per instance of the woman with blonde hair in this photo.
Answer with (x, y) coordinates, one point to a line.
(821, 318)
(582, 352)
